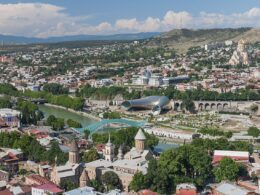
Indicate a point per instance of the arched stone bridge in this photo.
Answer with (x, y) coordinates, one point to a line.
(216, 105)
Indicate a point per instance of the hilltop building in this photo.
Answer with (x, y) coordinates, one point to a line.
(240, 55)
(125, 166)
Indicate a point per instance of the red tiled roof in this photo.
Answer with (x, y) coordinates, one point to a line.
(11, 155)
(49, 187)
(35, 131)
(100, 147)
(146, 192)
(37, 179)
(26, 189)
(217, 158)
(186, 192)
(6, 192)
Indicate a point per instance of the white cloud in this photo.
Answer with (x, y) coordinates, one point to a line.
(28, 18)
(148, 25)
(43, 20)
(176, 19)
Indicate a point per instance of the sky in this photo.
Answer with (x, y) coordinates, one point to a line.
(47, 18)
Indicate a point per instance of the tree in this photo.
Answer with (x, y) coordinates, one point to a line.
(96, 185)
(138, 182)
(30, 112)
(254, 108)
(184, 164)
(56, 123)
(226, 170)
(5, 103)
(253, 131)
(86, 133)
(39, 115)
(59, 124)
(68, 185)
(55, 88)
(90, 156)
(189, 105)
(111, 115)
(54, 152)
(157, 178)
(125, 136)
(74, 124)
(8, 89)
(50, 120)
(111, 181)
(23, 172)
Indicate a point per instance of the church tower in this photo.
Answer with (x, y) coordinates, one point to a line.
(109, 151)
(84, 179)
(120, 155)
(139, 140)
(74, 153)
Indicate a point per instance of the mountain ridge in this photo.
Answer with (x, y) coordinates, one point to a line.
(182, 39)
(10, 39)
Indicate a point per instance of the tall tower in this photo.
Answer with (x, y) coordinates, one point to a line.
(120, 155)
(84, 179)
(109, 151)
(74, 153)
(139, 141)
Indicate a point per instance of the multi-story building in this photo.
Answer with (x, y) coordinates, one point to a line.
(10, 117)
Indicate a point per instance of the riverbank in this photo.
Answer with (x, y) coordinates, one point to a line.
(74, 111)
(167, 140)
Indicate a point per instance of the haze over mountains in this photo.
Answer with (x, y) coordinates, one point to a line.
(8, 39)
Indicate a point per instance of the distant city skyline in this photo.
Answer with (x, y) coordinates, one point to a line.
(45, 18)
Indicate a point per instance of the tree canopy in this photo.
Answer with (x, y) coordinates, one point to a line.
(190, 163)
(111, 180)
(111, 115)
(90, 155)
(226, 170)
(55, 88)
(55, 123)
(30, 112)
(124, 137)
(74, 124)
(5, 103)
(31, 148)
(253, 131)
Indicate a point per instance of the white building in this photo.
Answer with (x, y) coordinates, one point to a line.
(44, 189)
(10, 117)
(155, 81)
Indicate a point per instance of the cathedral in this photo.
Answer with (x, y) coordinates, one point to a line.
(240, 55)
(124, 165)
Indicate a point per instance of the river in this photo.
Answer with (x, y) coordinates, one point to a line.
(165, 146)
(61, 113)
(85, 121)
